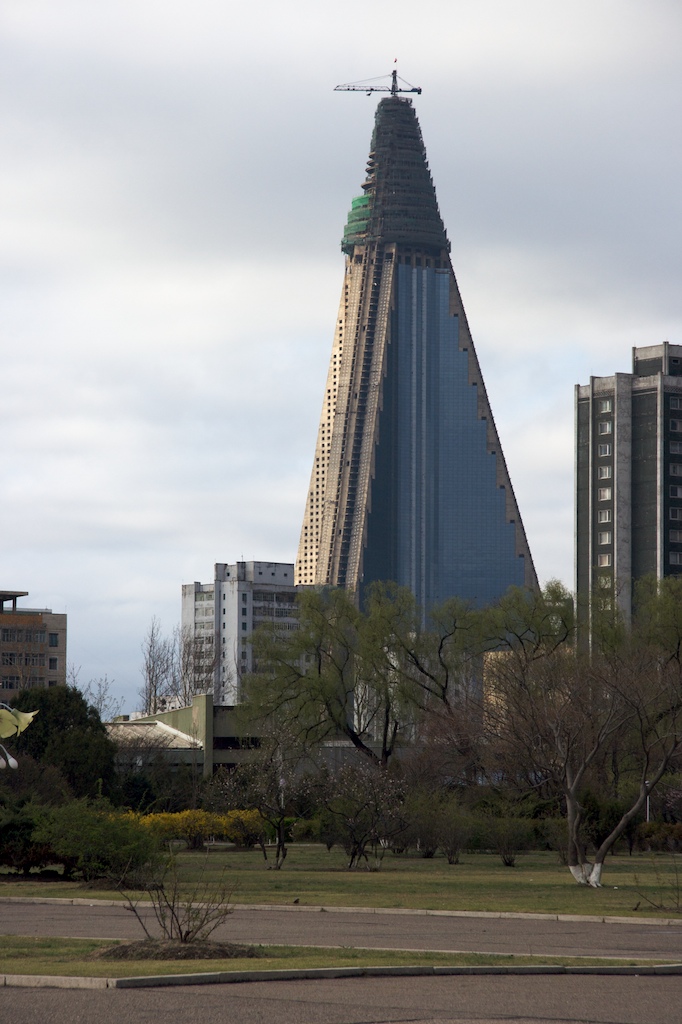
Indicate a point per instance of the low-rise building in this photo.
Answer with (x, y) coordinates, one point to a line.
(32, 645)
(202, 735)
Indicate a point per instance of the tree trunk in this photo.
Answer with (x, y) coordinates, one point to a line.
(579, 867)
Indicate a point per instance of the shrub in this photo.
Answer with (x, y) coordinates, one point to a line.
(421, 833)
(192, 827)
(244, 828)
(18, 849)
(454, 829)
(553, 833)
(509, 837)
(307, 830)
(96, 840)
(658, 836)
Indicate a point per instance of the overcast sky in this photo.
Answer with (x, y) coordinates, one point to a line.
(174, 181)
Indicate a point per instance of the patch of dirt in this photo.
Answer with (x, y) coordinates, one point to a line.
(158, 949)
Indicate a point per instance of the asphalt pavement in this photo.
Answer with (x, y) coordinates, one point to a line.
(539, 936)
(482, 1000)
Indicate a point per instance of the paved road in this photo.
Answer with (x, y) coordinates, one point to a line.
(388, 931)
(529, 1000)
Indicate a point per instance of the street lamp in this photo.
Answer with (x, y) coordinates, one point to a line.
(7, 759)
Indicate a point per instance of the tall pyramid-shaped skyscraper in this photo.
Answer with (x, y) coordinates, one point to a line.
(409, 482)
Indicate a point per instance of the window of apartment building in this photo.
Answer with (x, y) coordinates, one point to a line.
(604, 493)
(604, 405)
(604, 516)
(676, 426)
(9, 658)
(675, 491)
(676, 557)
(676, 447)
(605, 560)
(604, 473)
(243, 627)
(243, 611)
(604, 537)
(53, 665)
(54, 639)
(676, 468)
(604, 449)
(244, 598)
(606, 427)
(603, 582)
(676, 403)
(675, 536)
(676, 513)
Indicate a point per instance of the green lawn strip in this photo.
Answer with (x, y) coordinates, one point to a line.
(65, 957)
(314, 877)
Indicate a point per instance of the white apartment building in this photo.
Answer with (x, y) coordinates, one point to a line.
(218, 619)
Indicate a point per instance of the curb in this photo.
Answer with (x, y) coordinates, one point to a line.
(315, 974)
(299, 908)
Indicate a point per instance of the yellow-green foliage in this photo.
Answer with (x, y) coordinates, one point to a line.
(244, 828)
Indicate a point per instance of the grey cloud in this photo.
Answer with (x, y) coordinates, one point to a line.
(176, 183)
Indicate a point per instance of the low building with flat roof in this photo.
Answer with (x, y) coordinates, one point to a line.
(32, 645)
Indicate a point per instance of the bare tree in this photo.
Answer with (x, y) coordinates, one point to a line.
(272, 783)
(557, 720)
(198, 661)
(98, 693)
(160, 669)
(363, 804)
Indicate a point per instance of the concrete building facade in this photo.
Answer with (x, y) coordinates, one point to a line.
(32, 645)
(409, 482)
(218, 619)
(628, 508)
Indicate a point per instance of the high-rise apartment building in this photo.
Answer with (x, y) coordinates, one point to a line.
(409, 482)
(218, 619)
(629, 477)
(32, 645)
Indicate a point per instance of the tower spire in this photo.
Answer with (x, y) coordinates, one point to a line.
(409, 483)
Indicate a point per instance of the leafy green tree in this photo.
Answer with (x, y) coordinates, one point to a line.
(68, 734)
(367, 675)
(18, 847)
(338, 674)
(42, 784)
(90, 836)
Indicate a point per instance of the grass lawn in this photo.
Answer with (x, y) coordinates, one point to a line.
(312, 876)
(67, 957)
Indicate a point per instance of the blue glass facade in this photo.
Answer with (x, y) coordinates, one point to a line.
(437, 521)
